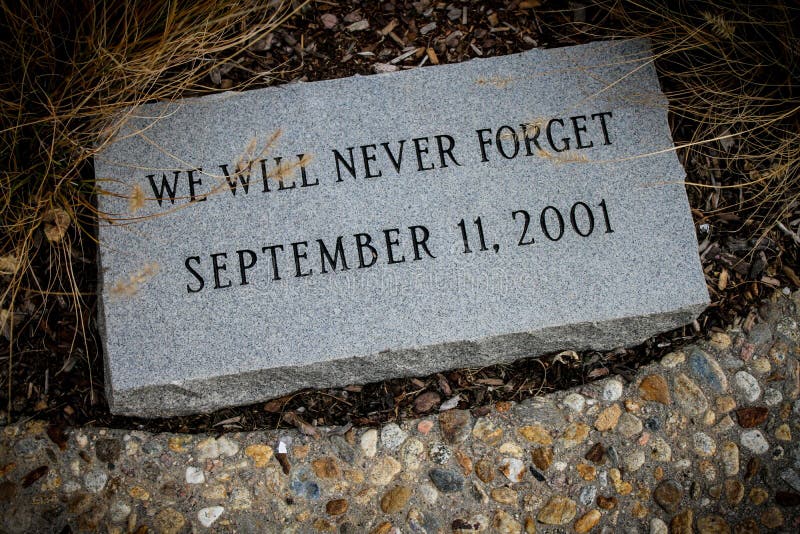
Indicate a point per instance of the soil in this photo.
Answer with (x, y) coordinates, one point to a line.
(57, 371)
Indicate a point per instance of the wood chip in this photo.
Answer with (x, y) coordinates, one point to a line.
(432, 56)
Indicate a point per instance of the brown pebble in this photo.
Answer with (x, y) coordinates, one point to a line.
(465, 462)
(608, 418)
(654, 388)
(682, 523)
(725, 404)
(169, 521)
(337, 506)
(559, 510)
(542, 457)
(748, 526)
(734, 491)
(587, 472)
(454, 425)
(323, 525)
(658, 473)
(504, 495)
(530, 525)
(395, 499)
(596, 454)
(639, 510)
(326, 467)
(383, 528)
(751, 416)
(759, 496)
(772, 517)
(668, 495)
(607, 503)
(753, 467)
(712, 524)
(484, 470)
(587, 521)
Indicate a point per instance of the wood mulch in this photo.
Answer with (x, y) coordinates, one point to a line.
(57, 371)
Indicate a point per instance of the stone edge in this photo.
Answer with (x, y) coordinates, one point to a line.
(207, 395)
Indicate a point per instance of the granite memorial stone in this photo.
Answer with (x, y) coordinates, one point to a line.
(351, 230)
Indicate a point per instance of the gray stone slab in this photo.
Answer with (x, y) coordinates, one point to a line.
(177, 339)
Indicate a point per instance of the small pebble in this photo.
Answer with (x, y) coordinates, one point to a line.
(761, 366)
(392, 436)
(657, 526)
(712, 524)
(729, 454)
(673, 359)
(369, 442)
(608, 418)
(690, 396)
(772, 397)
(95, 481)
(654, 388)
(772, 517)
(783, 433)
(504, 523)
(559, 510)
(446, 480)
(707, 370)
(207, 516)
(575, 402)
(703, 444)
(194, 475)
(634, 461)
(753, 440)
(747, 385)
(612, 390)
(660, 450)
(629, 425)
(440, 453)
(512, 468)
(587, 495)
(668, 495)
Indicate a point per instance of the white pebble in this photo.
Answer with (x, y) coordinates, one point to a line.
(194, 475)
(575, 402)
(772, 397)
(747, 385)
(634, 461)
(227, 447)
(560, 466)
(429, 493)
(369, 442)
(207, 516)
(657, 526)
(753, 440)
(512, 468)
(392, 436)
(682, 465)
(703, 444)
(612, 390)
(95, 481)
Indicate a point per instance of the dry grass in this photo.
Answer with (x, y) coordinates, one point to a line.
(71, 72)
(731, 72)
(73, 69)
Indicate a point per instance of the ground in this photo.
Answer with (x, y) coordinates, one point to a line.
(705, 440)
